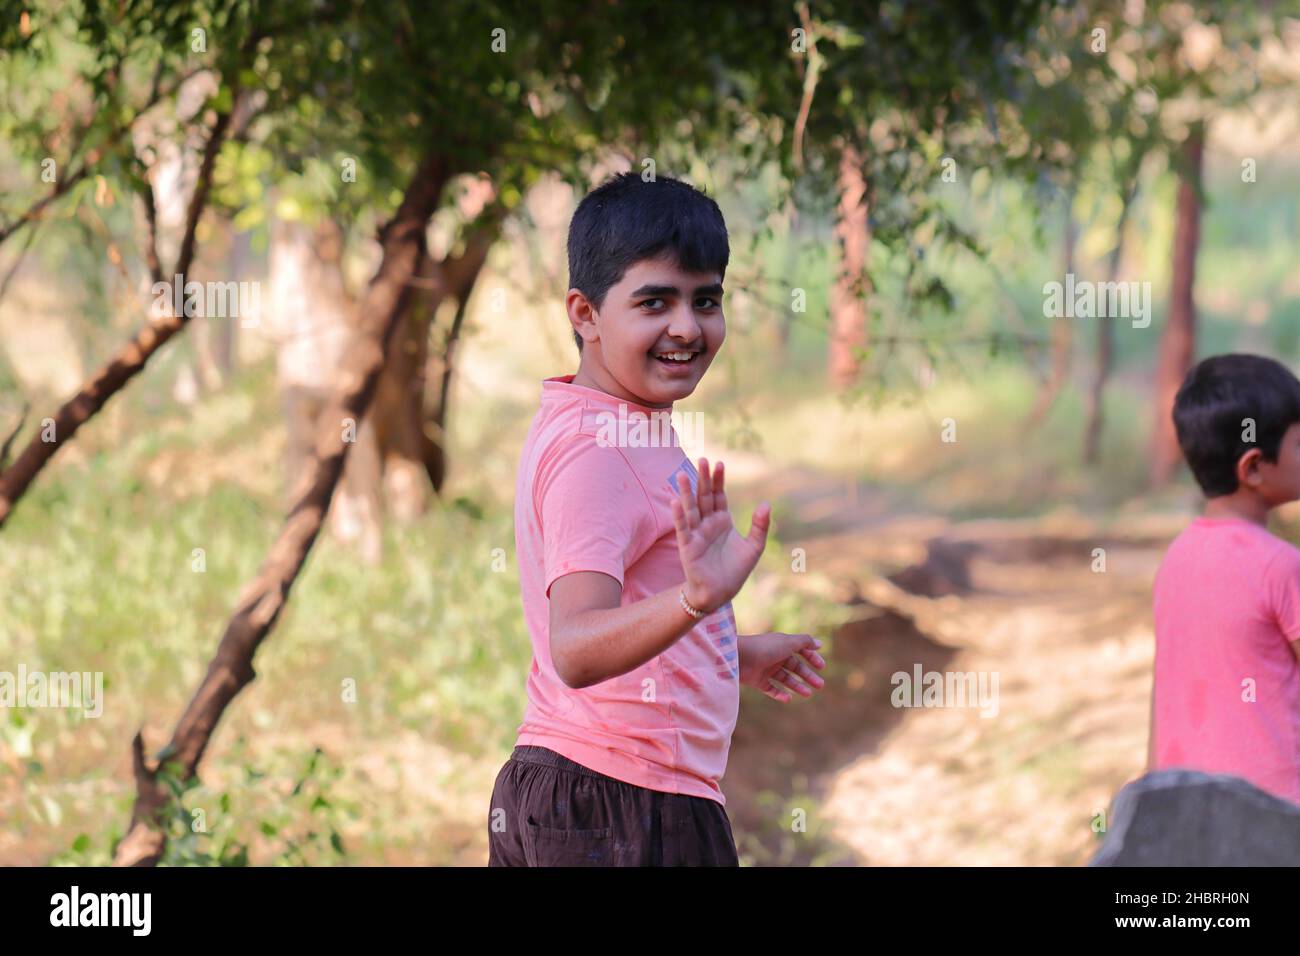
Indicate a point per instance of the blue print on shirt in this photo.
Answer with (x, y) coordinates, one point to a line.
(687, 467)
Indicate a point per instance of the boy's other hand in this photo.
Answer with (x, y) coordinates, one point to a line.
(715, 558)
(777, 663)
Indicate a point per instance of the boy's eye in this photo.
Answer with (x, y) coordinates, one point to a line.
(650, 302)
(705, 302)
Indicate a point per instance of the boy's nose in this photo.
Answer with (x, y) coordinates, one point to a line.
(684, 325)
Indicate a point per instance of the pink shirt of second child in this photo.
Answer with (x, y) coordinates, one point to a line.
(1227, 684)
(591, 496)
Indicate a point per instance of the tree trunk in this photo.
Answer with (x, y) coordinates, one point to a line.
(312, 317)
(849, 297)
(1178, 342)
(1062, 329)
(414, 462)
(464, 278)
(262, 600)
(397, 414)
(1095, 410)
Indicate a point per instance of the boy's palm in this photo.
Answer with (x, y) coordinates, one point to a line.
(715, 558)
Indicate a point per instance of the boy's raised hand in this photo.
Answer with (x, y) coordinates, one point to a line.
(716, 559)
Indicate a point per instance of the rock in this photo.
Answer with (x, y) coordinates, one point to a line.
(1189, 818)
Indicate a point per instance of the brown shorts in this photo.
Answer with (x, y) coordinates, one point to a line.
(549, 811)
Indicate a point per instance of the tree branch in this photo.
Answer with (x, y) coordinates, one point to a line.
(127, 362)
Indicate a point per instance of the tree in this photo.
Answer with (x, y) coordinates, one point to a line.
(894, 100)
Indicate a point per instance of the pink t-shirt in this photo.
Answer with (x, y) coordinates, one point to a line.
(592, 495)
(1227, 685)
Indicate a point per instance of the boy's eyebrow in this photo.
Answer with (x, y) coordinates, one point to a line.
(714, 288)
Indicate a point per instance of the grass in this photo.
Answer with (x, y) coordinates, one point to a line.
(100, 562)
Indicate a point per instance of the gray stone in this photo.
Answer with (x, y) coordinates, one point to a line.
(1189, 818)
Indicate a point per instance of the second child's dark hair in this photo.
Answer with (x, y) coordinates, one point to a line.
(627, 219)
(1211, 409)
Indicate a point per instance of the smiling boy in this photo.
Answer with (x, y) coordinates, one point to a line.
(1226, 695)
(628, 561)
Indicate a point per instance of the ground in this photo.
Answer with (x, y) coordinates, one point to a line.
(1072, 650)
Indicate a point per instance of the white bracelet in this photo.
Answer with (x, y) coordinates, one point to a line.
(686, 605)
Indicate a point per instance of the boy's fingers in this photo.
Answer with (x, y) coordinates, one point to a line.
(808, 648)
(787, 679)
(706, 489)
(806, 673)
(719, 496)
(799, 678)
(688, 503)
(759, 524)
(679, 518)
(774, 691)
(814, 658)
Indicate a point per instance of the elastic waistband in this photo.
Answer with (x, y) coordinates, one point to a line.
(546, 757)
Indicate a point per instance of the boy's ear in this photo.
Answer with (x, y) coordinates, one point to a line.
(1248, 468)
(581, 315)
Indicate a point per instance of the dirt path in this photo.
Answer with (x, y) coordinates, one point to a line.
(1071, 649)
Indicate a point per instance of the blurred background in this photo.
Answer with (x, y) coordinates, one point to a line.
(961, 478)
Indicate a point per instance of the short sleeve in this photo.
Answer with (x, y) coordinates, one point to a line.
(1284, 588)
(595, 514)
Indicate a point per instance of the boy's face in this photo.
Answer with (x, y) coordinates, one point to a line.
(656, 308)
(1279, 481)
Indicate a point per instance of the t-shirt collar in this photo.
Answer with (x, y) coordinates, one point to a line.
(563, 385)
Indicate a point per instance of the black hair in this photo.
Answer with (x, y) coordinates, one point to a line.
(627, 219)
(1211, 409)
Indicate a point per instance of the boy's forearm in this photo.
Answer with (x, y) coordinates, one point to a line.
(608, 642)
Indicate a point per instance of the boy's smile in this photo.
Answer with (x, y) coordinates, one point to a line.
(655, 335)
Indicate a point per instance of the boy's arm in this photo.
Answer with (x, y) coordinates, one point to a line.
(594, 639)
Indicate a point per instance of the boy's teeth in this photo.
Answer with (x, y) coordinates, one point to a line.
(676, 356)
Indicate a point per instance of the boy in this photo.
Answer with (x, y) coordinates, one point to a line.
(1226, 696)
(628, 562)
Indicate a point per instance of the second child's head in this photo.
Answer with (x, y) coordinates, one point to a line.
(1238, 424)
(646, 264)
